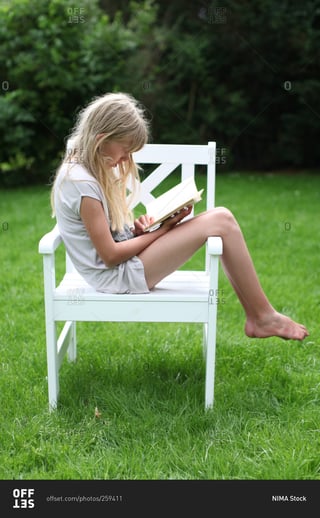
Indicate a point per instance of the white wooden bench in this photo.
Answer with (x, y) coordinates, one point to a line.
(184, 296)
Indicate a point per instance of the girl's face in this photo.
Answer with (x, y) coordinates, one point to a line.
(117, 151)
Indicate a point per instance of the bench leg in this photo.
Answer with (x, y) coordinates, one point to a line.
(210, 337)
(52, 364)
(205, 340)
(72, 348)
(210, 365)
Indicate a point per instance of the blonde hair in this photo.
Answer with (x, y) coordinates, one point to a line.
(114, 117)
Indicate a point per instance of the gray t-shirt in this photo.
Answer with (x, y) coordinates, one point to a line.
(72, 184)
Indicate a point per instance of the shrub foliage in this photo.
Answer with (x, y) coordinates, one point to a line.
(245, 74)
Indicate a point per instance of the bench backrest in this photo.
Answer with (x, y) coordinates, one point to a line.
(167, 158)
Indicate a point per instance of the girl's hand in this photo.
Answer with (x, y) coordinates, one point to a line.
(141, 223)
(176, 218)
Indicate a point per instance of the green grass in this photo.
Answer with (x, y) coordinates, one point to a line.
(147, 380)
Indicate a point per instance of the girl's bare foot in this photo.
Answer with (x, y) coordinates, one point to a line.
(275, 324)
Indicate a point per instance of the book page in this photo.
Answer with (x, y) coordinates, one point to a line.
(167, 204)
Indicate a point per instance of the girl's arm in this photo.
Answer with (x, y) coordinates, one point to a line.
(111, 252)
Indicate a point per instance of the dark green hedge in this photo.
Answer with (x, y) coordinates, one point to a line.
(245, 74)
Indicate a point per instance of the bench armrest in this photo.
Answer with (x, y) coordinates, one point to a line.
(50, 241)
(215, 245)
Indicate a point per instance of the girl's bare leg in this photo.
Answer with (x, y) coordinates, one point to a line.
(174, 248)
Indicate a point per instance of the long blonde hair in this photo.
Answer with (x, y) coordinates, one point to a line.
(114, 117)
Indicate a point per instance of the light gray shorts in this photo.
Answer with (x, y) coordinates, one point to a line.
(127, 277)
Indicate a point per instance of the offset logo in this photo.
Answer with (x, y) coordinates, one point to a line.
(23, 498)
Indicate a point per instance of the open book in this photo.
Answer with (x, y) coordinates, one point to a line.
(169, 203)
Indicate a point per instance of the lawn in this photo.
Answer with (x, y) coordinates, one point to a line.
(147, 380)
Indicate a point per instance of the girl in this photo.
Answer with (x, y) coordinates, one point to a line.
(111, 251)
